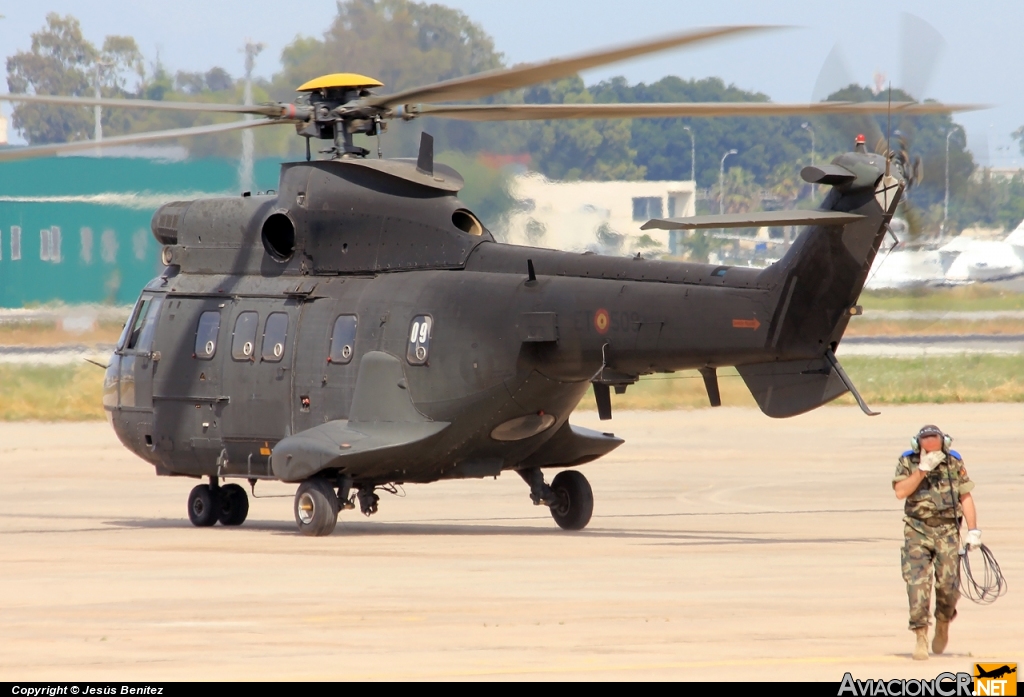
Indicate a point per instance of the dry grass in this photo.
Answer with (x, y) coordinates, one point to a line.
(933, 380)
(51, 393)
(73, 393)
(868, 327)
(51, 334)
(972, 298)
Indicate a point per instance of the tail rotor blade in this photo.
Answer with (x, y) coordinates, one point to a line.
(833, 76)
(921, 47)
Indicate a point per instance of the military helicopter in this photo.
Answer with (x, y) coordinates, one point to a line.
(360, 328)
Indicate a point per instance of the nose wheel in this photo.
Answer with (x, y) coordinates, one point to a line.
(207, 505)
(203, 508)
(234, 505)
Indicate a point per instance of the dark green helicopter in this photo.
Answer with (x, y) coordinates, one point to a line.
(360, 328)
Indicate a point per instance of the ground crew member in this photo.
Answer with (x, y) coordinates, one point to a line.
(934, 482)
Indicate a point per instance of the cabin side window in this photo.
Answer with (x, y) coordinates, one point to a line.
(206, 335)
(343, 340)
(418, 352)
(275, 333)
(243, 340)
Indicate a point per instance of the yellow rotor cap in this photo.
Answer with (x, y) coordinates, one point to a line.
(350, 80)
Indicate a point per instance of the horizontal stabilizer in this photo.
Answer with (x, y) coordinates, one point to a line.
(833, 175)
(760, 219)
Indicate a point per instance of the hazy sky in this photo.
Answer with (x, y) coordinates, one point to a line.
(982, 61)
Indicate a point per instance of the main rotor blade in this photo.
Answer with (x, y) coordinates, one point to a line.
(61, 148)
(544, 112)
(493, 81)
(258, 109)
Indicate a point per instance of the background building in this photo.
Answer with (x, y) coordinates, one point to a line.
(76, 229)
(596, 216)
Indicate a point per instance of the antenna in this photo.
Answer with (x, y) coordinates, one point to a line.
(888, 132)
(888, 148)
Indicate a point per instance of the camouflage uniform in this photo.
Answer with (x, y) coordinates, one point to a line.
(932, 536)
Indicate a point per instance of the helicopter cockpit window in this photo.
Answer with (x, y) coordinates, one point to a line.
(467, 222)
(419, 340)
(275, 333)
(343, 340)
(243, 341)
(132, 338)
(206, 335)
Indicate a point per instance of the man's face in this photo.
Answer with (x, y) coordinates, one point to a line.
(931, 443)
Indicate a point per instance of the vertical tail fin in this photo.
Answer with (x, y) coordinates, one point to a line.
(817, 283)
(822, 275)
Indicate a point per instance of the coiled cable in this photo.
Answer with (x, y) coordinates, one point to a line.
(992, 583)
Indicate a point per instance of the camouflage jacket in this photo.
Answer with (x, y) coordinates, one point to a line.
(938, 496)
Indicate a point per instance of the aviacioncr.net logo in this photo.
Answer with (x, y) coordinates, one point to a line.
(942, 685)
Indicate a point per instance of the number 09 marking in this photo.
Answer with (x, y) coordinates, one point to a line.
(419, 340)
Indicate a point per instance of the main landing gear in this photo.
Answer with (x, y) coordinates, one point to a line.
(569, 496)
(318, 501)
(210, 503)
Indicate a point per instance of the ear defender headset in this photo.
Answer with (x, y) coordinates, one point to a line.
(915, 441)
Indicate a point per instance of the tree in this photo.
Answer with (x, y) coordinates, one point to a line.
(402, 44)
(663, 146)
(486, 192)
(579, 149)
(61, 61)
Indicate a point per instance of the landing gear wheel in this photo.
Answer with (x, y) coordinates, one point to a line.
(316, 508)
(203, 507)
(234, 505)
(574, 500)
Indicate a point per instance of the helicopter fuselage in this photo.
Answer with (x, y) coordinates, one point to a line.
(360, 322)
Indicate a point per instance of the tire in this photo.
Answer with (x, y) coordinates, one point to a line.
(203, 507)
(575, 500)
(234, 505)
(316, 508)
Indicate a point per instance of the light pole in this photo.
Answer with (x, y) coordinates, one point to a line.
(945, 200)
(721, 182)
(245, 172)
(693, 156)
(97, 110)
(807, 127)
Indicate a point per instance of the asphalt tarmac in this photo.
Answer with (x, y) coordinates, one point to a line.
(724, 546)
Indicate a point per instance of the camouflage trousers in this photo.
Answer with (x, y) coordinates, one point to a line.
(925, 556)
